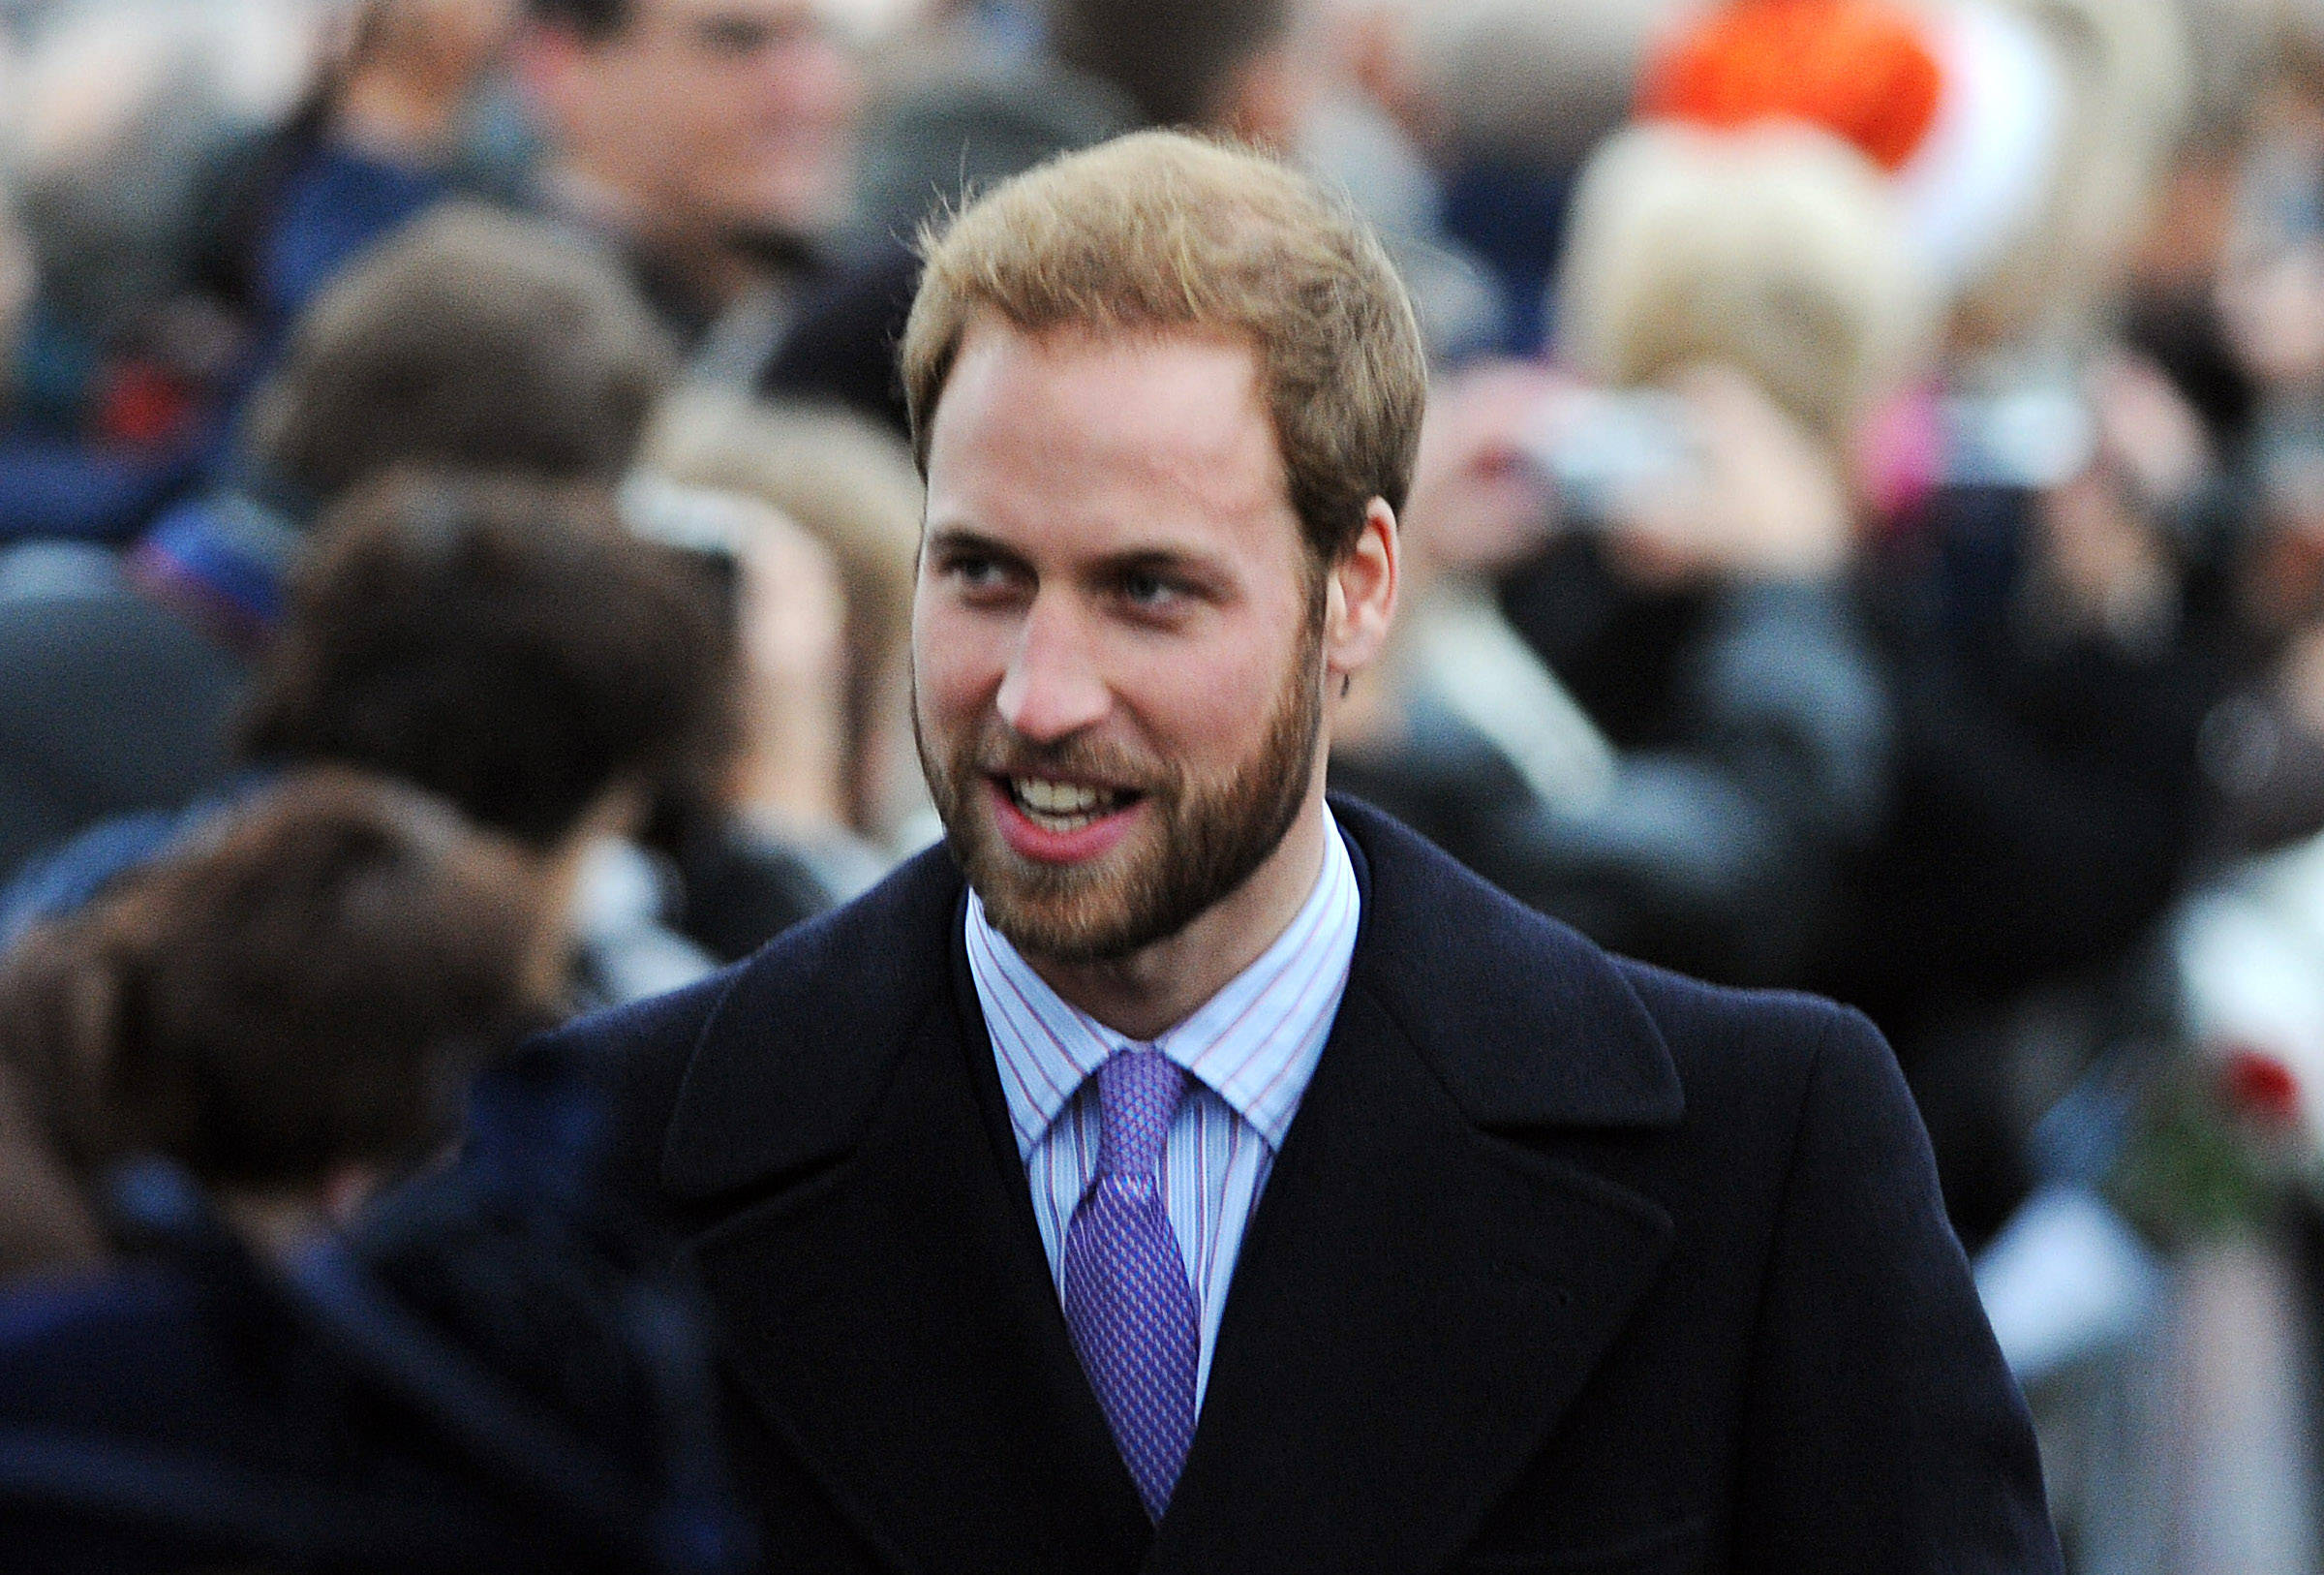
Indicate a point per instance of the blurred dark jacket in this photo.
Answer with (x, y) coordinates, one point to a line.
(111, 701)
(2048, 800)
(492, 1375)
(1751, 734)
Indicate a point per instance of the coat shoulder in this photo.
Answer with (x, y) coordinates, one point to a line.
(806, 1023)
(1716, 1030)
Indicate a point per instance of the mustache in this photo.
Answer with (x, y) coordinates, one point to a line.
(999, 751)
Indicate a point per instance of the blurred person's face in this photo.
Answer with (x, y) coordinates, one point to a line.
(1269, 99)
(451, 41)
(730, 117)
(1123, 646)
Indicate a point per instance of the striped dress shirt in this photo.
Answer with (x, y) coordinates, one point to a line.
(1250, 1050)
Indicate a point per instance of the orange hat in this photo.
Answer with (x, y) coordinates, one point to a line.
(1860, 69)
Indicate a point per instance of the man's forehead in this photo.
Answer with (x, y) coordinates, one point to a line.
(1117, 379)
(1138, 401)
(1073, 447)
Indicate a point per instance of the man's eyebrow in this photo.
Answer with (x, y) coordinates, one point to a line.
(1153, 560)
(958, 541)
(955, 540)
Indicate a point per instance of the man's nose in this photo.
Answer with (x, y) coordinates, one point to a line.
(1052, 688)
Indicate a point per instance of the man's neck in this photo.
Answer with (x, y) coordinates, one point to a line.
(1146, 995)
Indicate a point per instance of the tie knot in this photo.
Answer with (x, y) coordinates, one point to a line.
(1137, 1093)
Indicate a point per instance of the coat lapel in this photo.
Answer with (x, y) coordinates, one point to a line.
(887, 1304)
(1421, 1292)
(1418, 1298)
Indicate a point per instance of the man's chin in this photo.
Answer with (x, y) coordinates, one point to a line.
(1093, 911)
(1064, 935)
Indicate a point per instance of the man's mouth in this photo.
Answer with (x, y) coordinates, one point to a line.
(1061, 808)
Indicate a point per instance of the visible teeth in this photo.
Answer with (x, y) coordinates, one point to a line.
(1062, 807)
(1061, 798)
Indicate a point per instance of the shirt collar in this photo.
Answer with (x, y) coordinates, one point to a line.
(1254, 1043)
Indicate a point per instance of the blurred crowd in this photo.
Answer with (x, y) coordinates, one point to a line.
(457, 537)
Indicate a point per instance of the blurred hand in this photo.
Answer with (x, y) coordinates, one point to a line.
(793, 611)
(2274, 307)
(2147, 429)
(1477, 504)
(2106, 560)
(1768, 503)
(2102, 567)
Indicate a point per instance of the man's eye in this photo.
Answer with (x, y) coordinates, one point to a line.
(1149, 593)
(736, 37)
(978, 573)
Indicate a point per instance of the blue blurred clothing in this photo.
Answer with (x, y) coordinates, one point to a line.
(1513, 218)
(228, 553)
(294, 211)
(113, 700)
(334, 203)
(56, 486)
(76, 872)
(488, 1375)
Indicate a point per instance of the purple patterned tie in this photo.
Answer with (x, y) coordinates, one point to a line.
(1126, 1299)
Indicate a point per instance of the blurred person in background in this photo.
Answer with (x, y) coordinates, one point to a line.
(963, 95)
(850, 486)
(234, 1050)
(710, 143)
(391, 128)
(1460, 125)
(507, 643)
(2227, 297)
(290, 1006)
(2039, 584)
(974, 94)
(2051, 612)
(122, 370)
(765, 840)
(472, 339)
(2172, 308)
(1037, 82)
(1237, 69)
(1692, 733)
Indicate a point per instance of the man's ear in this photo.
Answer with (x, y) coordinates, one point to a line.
(1361, 596)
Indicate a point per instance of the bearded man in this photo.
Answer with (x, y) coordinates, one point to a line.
(1179, 1171)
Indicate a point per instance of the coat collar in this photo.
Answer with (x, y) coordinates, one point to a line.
(1428, 1279)
(791, 1058)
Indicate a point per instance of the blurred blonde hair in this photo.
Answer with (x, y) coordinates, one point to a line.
(1160, 231)
(2129, 74)
(1775, 250)
(851, 487)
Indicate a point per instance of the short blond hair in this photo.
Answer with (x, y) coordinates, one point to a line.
(1160, 231)
(1776, 250)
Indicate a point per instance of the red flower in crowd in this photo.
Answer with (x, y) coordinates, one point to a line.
(2260, 1087)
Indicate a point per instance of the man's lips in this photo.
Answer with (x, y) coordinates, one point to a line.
(1043, 843)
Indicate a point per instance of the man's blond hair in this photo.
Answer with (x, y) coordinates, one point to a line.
(1162, 232)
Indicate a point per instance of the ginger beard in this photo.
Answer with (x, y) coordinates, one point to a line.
(1205, 839)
